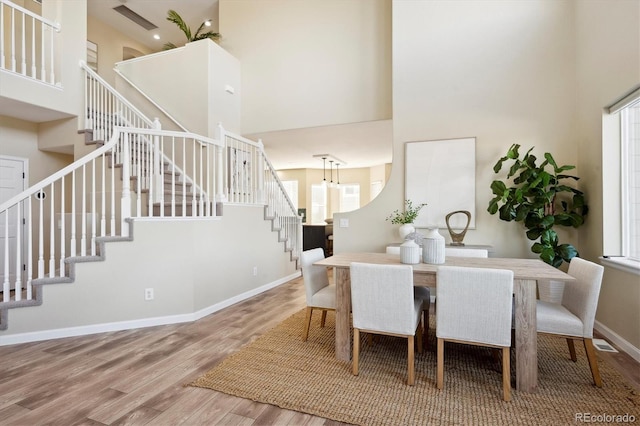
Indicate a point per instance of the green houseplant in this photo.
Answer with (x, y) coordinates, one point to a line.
(408, 216)
(539, 198)
(173, 16)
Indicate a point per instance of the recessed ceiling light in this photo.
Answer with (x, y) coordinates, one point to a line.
(207, 22)
(156, 36)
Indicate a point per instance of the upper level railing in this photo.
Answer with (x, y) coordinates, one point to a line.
(27, 43)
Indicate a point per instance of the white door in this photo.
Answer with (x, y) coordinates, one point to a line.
(12, 182)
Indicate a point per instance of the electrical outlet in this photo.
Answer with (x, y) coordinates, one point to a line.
(148, 294)
(255, 271)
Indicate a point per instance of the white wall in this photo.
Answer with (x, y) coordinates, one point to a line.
(607, 66)
(502, 72)
(185, 262)
(189, 83)
(310, 63)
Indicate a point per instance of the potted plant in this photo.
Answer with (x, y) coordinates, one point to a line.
(539, 198)
(173, 16)
(406, 218)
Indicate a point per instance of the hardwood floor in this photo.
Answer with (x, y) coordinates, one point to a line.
(138, 376)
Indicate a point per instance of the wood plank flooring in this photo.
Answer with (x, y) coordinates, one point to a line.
(138, 376)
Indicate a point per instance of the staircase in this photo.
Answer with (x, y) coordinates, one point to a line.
(136, 171)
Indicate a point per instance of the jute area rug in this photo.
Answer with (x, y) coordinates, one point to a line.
(280, 369)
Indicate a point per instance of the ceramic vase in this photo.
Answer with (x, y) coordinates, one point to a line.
(405, 229)
(410, 252)
(433, 247)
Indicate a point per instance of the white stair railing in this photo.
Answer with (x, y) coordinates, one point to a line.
(251, 179)
(64, 216)
(27, 43)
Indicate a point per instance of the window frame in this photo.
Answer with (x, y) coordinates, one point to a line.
(616, 172)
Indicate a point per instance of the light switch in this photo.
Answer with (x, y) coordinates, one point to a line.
(344, 223)
(229, 89)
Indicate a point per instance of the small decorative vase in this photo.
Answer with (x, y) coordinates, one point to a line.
(433, 247)
(405, 229)
(410, 252)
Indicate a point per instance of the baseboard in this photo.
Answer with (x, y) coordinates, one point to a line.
(60, 333)
(617, 340)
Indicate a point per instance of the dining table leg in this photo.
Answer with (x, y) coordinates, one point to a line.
(343, 314)
(526, 335)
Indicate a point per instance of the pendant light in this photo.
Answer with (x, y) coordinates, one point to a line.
(331, 167)
(337, 175)
(324, 171)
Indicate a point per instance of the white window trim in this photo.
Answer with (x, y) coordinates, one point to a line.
(621, 263)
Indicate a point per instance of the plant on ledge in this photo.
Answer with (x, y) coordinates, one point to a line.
(540, 200)
(409, 214)
(173, 16)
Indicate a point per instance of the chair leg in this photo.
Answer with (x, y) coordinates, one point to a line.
(440, 368)
(356, 350)
(593, 362)
(506, 374)
(323, 318)
(419, 338)
(307, 324)
(572, 349)
(425, 321)
(410, 361)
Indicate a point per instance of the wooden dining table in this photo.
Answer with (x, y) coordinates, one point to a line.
(527, 272)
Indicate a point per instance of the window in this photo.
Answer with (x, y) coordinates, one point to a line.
(630, 148)
(349, 197)
(621, 183)
(376, 188)
(318, 203)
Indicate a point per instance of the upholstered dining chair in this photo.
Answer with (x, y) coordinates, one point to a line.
(382, 302)
(320, 295)
(420, 292)
(474, 307)
(573, 318)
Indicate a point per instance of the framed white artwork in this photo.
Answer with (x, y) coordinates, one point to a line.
(442, 173)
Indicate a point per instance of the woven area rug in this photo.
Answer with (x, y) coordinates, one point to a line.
(280, 369)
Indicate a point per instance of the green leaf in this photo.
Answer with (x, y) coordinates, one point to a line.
(551, 161)
(564, 168)
(514, 168)
(513, 151)
(549, 237)
(548, 255)
(534, 233)
(548, 221)
(493, 205)
(537, 248)
(498, 166)
(566, 252)
(498, 187)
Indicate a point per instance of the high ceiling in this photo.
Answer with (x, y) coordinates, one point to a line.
(356, 144)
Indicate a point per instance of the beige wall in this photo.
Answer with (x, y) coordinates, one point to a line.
(111, 44)
(502, 72)
(310, 63)
(506, 72)
(607, 66)
(20, 139)
(202, 280)
(307, 177)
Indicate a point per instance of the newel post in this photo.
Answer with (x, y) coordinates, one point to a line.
(157, 177)
(260, 171)
(220, 168)
(125, 205)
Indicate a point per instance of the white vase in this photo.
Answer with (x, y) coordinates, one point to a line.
(433, 247)
(405, 229)
(410, 252)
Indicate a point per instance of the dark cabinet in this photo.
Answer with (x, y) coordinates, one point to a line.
(314, 236)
